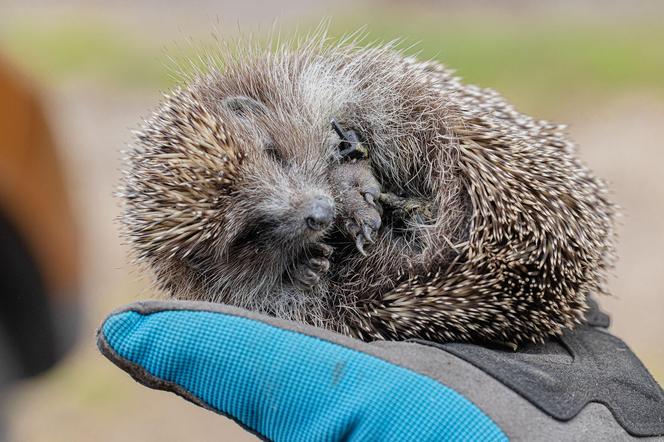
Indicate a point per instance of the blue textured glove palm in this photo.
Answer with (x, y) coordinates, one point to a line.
(287, 381)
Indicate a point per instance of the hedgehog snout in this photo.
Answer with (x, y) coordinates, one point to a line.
(319, 213)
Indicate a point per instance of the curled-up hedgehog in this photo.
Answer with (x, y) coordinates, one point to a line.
(360, 190)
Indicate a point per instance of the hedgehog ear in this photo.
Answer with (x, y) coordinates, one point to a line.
(244, 106)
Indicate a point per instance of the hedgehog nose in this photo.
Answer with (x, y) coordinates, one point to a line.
(321, 213)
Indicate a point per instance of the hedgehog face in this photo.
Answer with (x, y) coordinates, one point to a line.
(274, 210)
(279, 195)
(213, 189)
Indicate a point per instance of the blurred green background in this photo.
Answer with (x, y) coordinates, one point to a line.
(597, 65)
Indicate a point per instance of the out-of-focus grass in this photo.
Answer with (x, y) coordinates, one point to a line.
(539, 63)
(536, 64)
(74, 50)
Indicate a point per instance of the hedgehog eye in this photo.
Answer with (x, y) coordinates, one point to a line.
(272, 150)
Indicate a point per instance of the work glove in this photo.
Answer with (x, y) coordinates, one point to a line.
(286, 381)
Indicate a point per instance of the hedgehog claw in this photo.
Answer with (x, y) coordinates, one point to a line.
(359, 243)
(324, 249)
(366, 232)
(306, 278)
(313, 264)
(321, 265)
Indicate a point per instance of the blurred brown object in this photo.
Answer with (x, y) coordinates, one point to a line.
(39, 267)
(32, 190)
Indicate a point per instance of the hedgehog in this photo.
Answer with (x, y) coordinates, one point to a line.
(358, 189)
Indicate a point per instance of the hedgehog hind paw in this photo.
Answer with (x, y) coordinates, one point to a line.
(406, 208)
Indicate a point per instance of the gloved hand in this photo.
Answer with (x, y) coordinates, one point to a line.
(287, 381)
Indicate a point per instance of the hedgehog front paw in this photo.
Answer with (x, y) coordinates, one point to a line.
(313, 264)
(357, 192)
